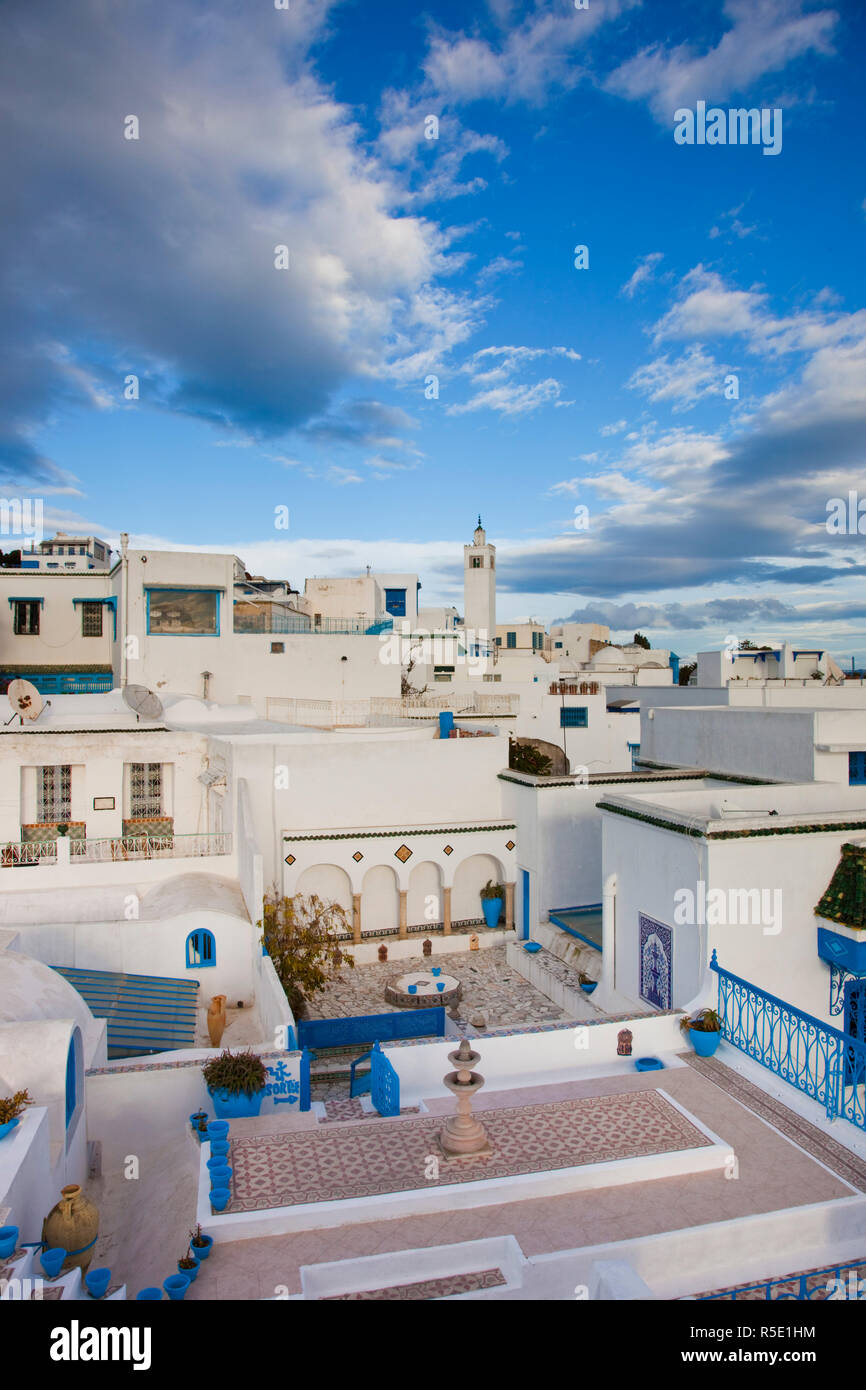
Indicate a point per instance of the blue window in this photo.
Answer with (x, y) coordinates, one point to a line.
(856, 768)
(573, 717)
(71, 1097)
(511, 639)
(200, 950)
(557, 645)
(395, 602)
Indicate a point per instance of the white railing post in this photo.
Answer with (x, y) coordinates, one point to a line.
(63, 856)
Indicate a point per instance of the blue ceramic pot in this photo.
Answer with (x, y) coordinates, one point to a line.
(8, 1241)
(51, 1261)
(705, 1043)
(220, 1177)
(590, 986)
(219, 1148)
(190, 1274)
(151, 1295)
(219, 1198)
(532, 947)
(176, 1286)
(217, 1129)
(97, 1281)
(8, 1127)
(201, 1252)
(440, 986)
(237, 1107)
(492, 909)
(648, 1064)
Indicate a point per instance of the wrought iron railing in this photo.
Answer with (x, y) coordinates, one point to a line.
(300, 623)
(825, 1064)
(151, 847)
(22, 852)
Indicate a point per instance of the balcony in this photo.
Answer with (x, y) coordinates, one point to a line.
(299, 624)
(27, 853)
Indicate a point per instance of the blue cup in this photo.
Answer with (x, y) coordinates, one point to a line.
(413, 989)
(440, 985)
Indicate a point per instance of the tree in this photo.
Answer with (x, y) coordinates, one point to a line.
(686, 671)
(406, 687)
(640, 641)
(299, 935)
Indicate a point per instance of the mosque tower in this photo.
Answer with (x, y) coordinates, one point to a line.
(479, 590)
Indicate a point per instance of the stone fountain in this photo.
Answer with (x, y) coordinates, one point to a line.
(463, 1135)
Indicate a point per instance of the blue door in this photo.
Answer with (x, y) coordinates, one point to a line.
(524, 881)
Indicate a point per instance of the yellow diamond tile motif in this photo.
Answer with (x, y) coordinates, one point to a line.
(290, 859)
(403, 853)
(449, 849)
(357, 856)
(509, 844)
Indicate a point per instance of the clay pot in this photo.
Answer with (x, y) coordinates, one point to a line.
(73, 1225)
(216, 1019)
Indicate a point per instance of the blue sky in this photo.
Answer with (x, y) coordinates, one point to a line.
(410, 257)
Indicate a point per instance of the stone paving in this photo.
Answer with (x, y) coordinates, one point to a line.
(444, 1287)
(490, 987)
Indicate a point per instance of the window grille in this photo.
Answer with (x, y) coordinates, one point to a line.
(145, 790)
(55, 794)
(91, 619)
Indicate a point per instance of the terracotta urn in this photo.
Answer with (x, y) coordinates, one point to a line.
(216, 1019)
(73, 1225)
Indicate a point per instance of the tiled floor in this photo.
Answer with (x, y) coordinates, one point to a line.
(427, 1288)
(490, 987)
(368, 1159)
(349, 1108)
(772, 1173)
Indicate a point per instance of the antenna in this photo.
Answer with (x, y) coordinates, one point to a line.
(25, 699)
(143, 702)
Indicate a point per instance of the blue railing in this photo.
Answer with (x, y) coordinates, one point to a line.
(846, 1279)
(366, 1028)
(64, 683)
(305, 1079)
(823, 1063)
(359, 1086)
(384, 1083)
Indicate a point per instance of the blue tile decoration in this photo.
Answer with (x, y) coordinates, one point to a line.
(656, 962)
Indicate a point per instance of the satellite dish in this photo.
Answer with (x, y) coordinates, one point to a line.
(25, 699)
(143, 702)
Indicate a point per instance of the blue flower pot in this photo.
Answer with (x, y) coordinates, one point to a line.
(8, 1127)
(588, 988)
(236, 1107)
(220, 1177)
(97, 1281)
(648, 1064)
(218, 1161)
(705, 1043)
(8, 1241)
(151, 1295)
(176, 1286)
(492, 909)
(51, 1261)
(190, 1274)
(219, 1198)
(532, 947)
(201, 1252)
(219, 1148)
(217, 1129)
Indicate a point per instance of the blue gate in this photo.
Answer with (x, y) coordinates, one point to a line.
(384, 1083)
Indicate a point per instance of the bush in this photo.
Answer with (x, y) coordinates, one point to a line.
(13, 1106)
(526, 758)
(704, 1021)
(236, 1073)
(492, 890)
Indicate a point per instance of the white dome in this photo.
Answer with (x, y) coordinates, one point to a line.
(31, 991)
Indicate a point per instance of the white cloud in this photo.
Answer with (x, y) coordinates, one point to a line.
(683, 382)
(616, 428)
(645, 270)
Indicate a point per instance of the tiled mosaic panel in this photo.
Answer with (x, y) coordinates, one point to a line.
(444, 1287)
(346, 1162)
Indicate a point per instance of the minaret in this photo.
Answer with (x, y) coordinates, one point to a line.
(479, 589)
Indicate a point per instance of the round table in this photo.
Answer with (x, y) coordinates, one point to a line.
(425, 994)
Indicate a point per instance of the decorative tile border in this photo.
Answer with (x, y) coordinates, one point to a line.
(407, 833)
(444, 1287)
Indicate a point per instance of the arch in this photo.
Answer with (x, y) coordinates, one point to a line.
(425, 882)
(380, 900)
(200, 949)
(74, 1082)
(469, 878)
(330, 883)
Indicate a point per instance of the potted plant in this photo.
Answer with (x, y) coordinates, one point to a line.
(586, 982)
(199, 1124)
(491, 902)
(705, 1030)
(188, 1266)
(199, 1244)
(11, 1107)
(236, 1082)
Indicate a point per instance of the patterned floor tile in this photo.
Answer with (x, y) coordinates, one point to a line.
(348, 1161)
(444, 1287)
